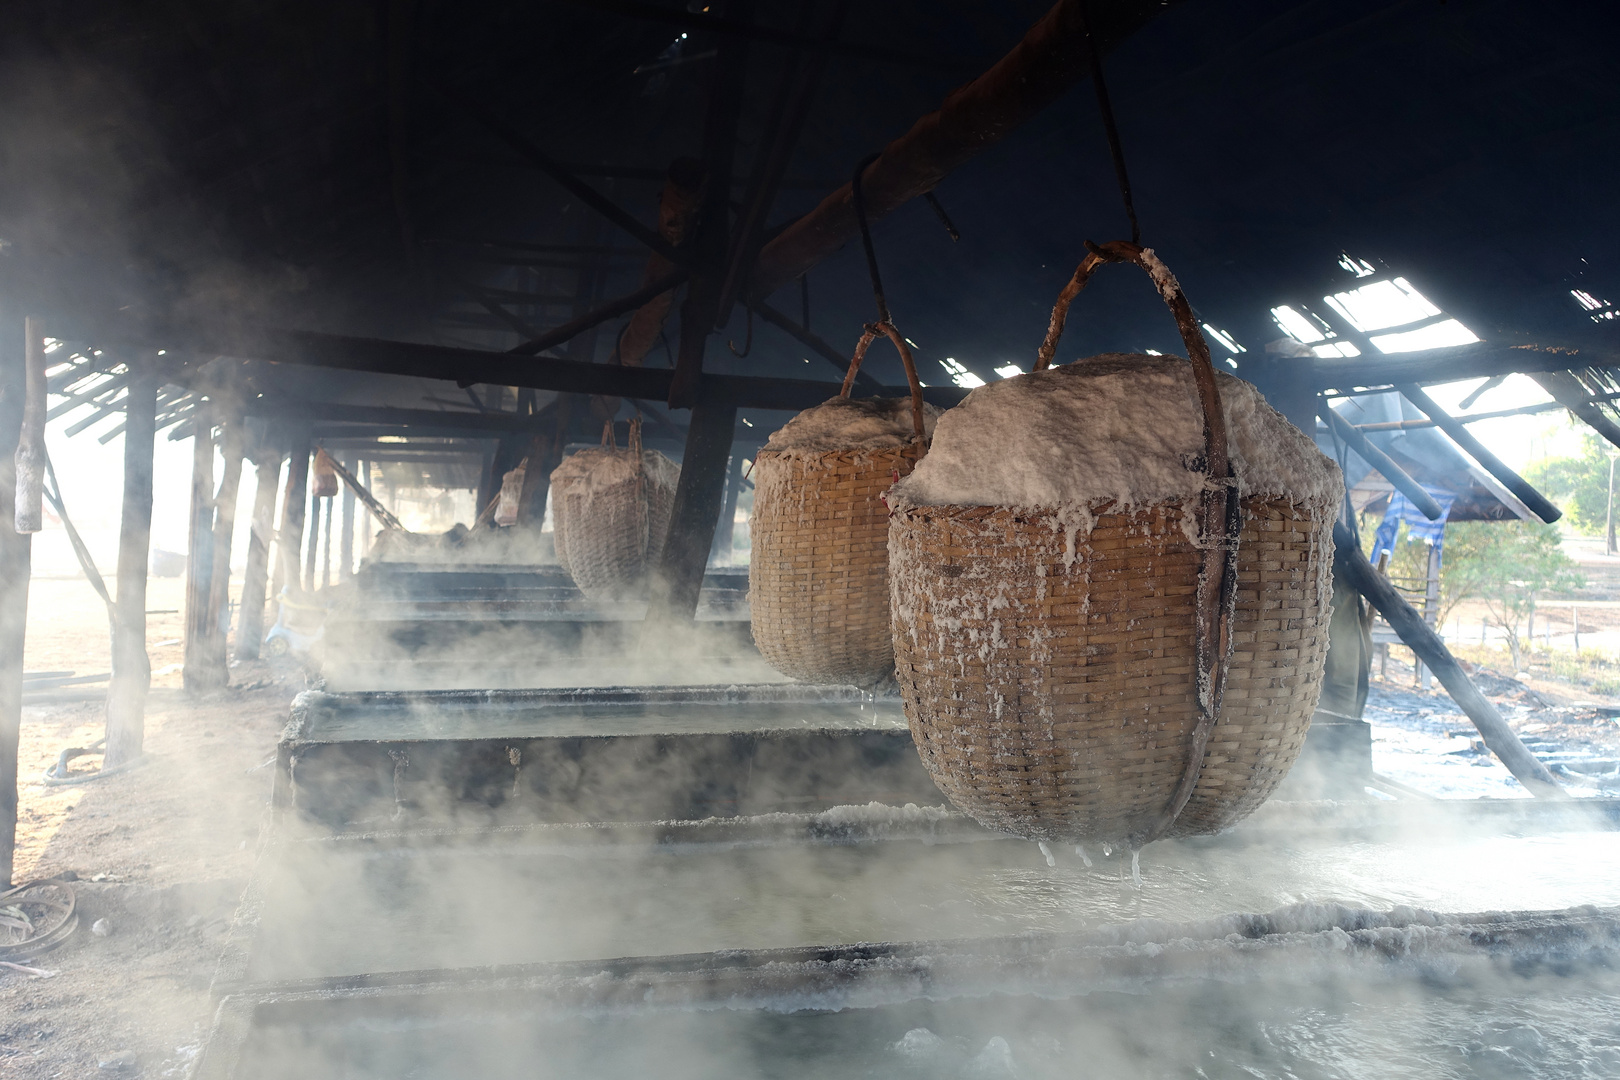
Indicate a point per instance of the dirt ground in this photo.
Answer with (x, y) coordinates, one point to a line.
(161, 853)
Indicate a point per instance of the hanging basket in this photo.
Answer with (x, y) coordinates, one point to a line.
(610, 514)
(326, 478)
(818, 576)
(1115, 675)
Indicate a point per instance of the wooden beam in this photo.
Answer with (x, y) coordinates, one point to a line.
(1451, 365)
(524, 147)
(1567, 390)
(817, 344)
(1381, 461)
(673, 589)
(470, 366)
(1405, 620)
(131, 667)
(1051, 58)
(799, 84)
(611, 310)
(1492, 464)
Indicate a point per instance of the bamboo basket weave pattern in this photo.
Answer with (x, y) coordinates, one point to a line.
(1054, 697)
(609, 534)
(819, 567)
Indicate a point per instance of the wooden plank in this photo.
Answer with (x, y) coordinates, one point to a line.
(131, 668)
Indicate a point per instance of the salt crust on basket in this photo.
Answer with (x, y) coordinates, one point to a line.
(844, 424)
(1118, 427)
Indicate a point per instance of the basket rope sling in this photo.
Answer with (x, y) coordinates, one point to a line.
(818, 577)
(1083, 717)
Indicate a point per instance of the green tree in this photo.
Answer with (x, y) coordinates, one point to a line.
(1578, 484)
(1506, 565)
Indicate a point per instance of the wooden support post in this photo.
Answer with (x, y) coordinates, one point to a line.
(200, 616)
(131, 668)
(367, 525)
(29, 459)
(1417, 636)
(233, 449)
(312, 547)
(698, 497)
(346, 544)
(290, 538)
(720, 553)
(250, 620)
(326, 542)
(15, 554)
(711, 242)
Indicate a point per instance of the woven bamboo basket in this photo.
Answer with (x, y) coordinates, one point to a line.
(1154, 677)
(818, 577)
(1057, 700)
(610, 514)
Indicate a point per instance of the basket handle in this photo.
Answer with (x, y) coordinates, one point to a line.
(1220, 515)
(887, 329)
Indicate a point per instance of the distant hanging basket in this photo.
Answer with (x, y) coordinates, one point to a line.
(610, 513)
(818, 574)
(326, 478)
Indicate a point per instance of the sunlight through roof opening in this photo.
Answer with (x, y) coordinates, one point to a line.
(959, 374)
(1598, 309)
(1007, 371)
(1381, 305)
(1440, 335)
(1297, 326)
(1227, 340)
(1358, 267)
(1336, 348)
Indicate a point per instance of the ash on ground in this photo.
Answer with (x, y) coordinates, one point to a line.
(1423, 740)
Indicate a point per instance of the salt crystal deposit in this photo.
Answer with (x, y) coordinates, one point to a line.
(1119, 426)
(851, 424)
(601, 467)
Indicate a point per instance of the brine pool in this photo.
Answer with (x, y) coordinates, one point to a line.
(334, 907)
(347, 906)
(1545, 1027)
